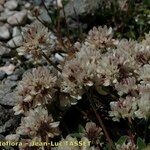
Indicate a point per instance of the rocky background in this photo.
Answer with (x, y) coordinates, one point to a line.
(15, 14)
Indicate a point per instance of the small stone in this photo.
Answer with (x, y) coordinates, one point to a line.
(8, 69)
(30, 16)
(7, 126)
(4, 50)
(7, 94)
(15, 42)
(45, 17)
(6, 14)
(19, 72)
(2, 18)
(2, 2)
(1, 23)
(2, 75)
(16, 31)
(12, 137)
(13, 77)
(11, 4)
(82, 7)
(4, 33)
(1, 8)
(18, 18)
(59, 58)
(2, 138)
(27, 5)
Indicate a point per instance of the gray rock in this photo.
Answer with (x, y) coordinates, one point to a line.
(27, 5)
(30, 16)
(2, 75)
(1, 8)
(15, 42)
(45, 17)
(4, 33)
(13, 77)
(1, 23)
(16, 31)
(81, 7)
(11, 4)
(2, 2)
(10, 99)
(6, 14)
(18, 18)
(3, 18)
(2, 138)
(8, 122)
(19, 72)
(7, 126)
(5, 114)
(4, 50)
(7, 93)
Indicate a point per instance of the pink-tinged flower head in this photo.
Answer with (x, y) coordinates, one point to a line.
(36, 88)
(100, 37)
(37, 123)
(36, 38)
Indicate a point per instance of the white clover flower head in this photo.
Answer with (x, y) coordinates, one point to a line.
(100, 37)
(146, 41)
(107, 70)
(92, 131)
(36, 38)
(126, 85)
(123, 5)
(144, 101)
(37, 123)
(123, 108)
(129, 145)
(127, 49)
(74, 90)
(144, 73)
(36, 88)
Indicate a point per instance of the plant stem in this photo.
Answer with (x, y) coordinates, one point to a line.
(111, 144)
(67, 26)
(54, 65)
(48, 12)
(78, 23)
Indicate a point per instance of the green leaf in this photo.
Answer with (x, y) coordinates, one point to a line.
(102, 90)
(140, 143)
(122, 140)
(81, 129)
(76, 135)
(147, 2)
(65, 2)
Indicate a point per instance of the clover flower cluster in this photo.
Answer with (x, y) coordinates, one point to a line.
(83, 69)
(100, 60)
(90, 134)
(35, 91)
(104, 61)
(121, 64)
